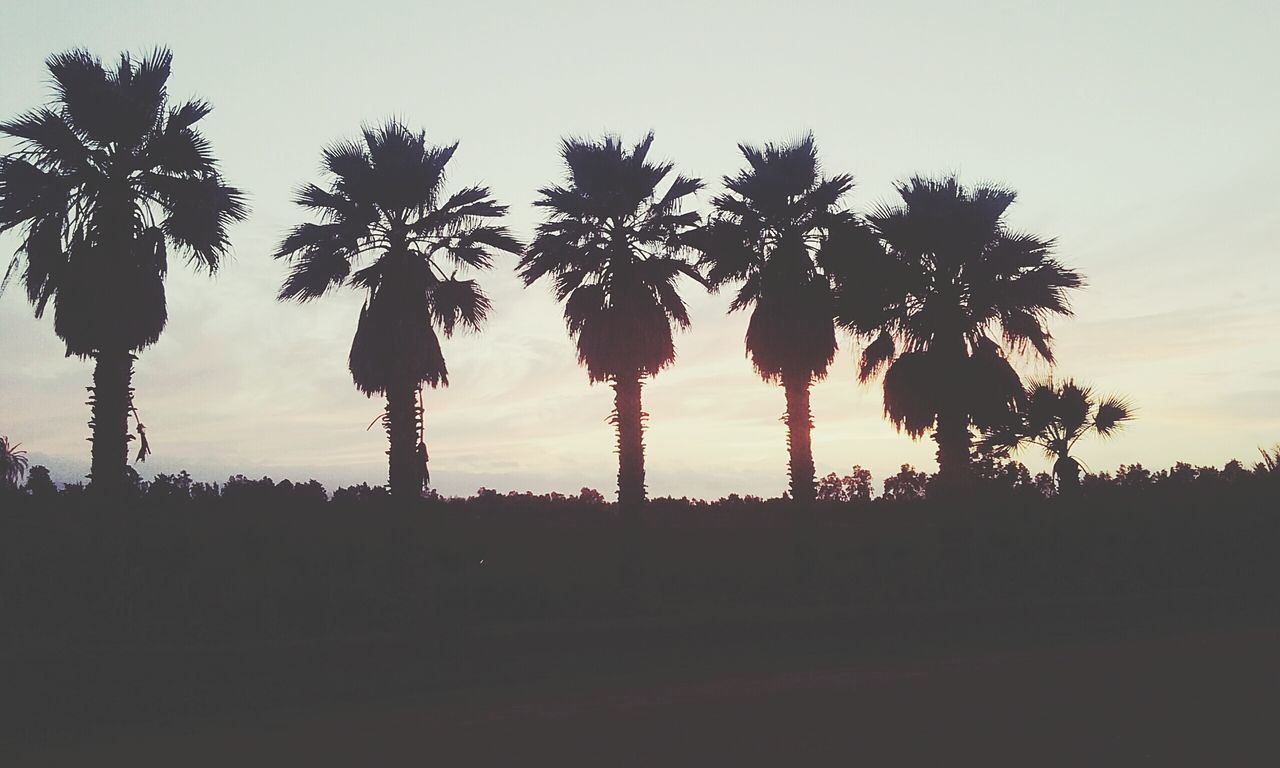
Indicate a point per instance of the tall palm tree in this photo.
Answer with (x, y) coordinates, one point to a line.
(1055, 417)
(614, 246)
(13, 464)
(385, 201)
(944, 293)
(768, 233)
(107, 179)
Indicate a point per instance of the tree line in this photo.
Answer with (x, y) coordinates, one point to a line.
(937, 289)
(991, 475)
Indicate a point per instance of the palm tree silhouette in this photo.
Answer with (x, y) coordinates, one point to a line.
(13, 464)
(945, 280)
(768, 233)
(1055, 417)
(106, 180)
(615, 248)
(385, 201)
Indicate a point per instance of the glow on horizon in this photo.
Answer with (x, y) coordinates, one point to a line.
(1141, 137)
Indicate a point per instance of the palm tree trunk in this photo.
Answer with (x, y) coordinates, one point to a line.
(1067, 471)
(953, 438)
(405, 470)
(112, 374)
(630, 422)
(952, 433)
(799, 436)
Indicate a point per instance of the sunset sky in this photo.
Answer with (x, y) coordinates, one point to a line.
(1142, 135)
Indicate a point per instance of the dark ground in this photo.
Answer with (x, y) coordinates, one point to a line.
(1133, 627)
(1117, 684)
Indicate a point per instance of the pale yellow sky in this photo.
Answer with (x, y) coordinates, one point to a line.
(1142, 137)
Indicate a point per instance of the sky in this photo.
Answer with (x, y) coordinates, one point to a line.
(1141, 135)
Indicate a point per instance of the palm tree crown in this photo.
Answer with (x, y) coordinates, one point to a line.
(615, 246)
(768, 234)
(386, 202)
(944, 292)
(104, 183)
(13, 463)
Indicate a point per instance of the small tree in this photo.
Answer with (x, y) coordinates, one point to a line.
(831, 489)
(906, 485)
(39, 484)
(1055, 417)
(855, 486)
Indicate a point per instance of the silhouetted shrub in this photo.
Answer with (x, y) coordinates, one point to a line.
(255, 559)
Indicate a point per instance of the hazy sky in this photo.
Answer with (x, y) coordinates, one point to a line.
(1142, 135)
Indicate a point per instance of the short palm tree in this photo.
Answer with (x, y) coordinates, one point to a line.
(614, 245)
(1055, 417)
(385, 202)
(106, 180)
(941, 297)
(767, 234)
(13, 464)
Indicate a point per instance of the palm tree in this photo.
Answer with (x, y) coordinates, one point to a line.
(1055, 417)
(13, 464)
(943, 293)
(615, 247)
(385, 201)
(107, 179)
(768, 233)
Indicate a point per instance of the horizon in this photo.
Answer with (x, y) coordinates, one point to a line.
(1143, 145)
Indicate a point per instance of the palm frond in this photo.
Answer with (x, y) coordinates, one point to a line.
(1074, 404)
(348, 164)
(391, 343)
(1043, 406)
(682, 187)
(1112, 413)
(1021, 328)
(315, 270)
(200, 212)
(991, 391)
(333, 206)
(791, 332)
(187, 115)
(457, 303)
(179, 151)
(87, 96)
(472, 247)
(29, 193)
(53, 142)
(912, 393)
(121, 106)
(726, 255)
(583, 306)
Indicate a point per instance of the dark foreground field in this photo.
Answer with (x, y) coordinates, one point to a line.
(1122, 692)
(1130, 630)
